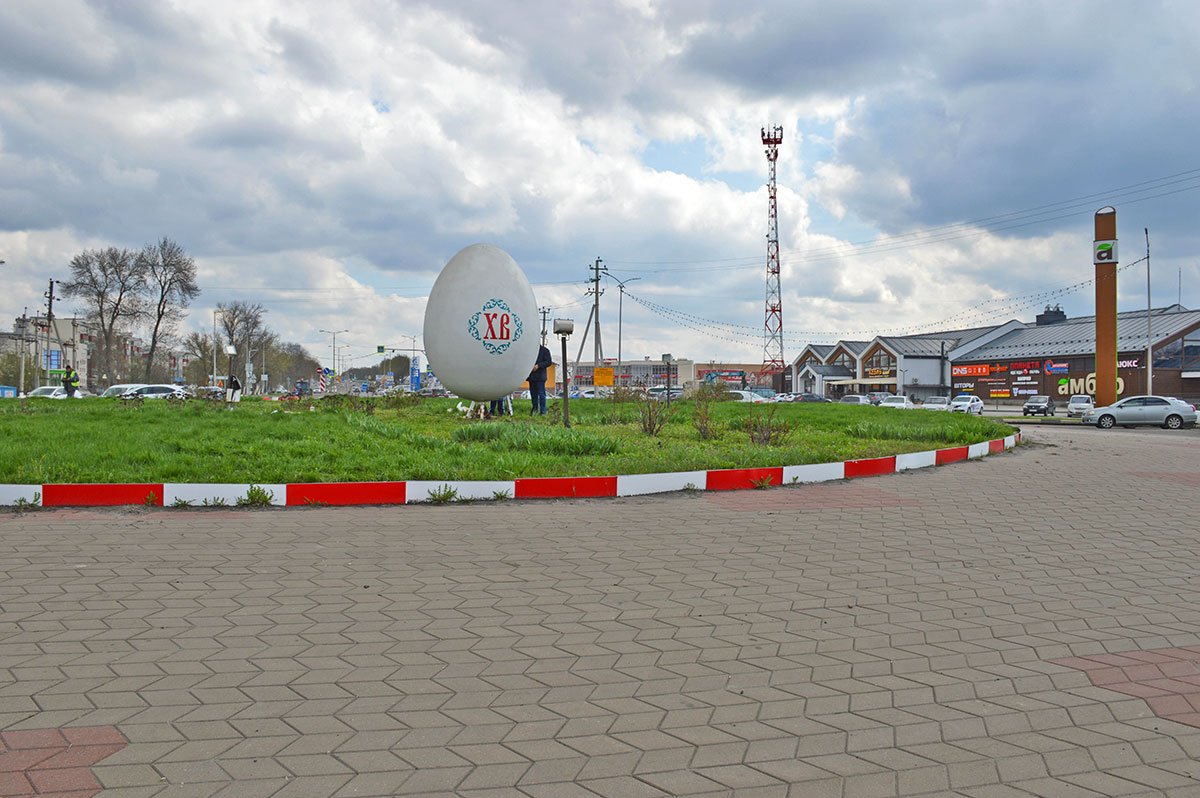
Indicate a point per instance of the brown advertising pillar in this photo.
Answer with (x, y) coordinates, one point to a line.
(1104, 257)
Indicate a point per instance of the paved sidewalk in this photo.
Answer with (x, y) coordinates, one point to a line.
(945, 631)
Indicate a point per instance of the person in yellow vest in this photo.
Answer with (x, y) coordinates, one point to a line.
(71, 382)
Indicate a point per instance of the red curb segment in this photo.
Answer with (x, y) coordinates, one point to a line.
(99, 495)
(743, 478)
(368, 493)
(346, 493)
(956, 455)
(870, 468)
(564, 487)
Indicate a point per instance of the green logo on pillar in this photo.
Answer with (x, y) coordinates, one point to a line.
(1104, 252)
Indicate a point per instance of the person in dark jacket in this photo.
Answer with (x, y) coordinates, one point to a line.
(537, 381)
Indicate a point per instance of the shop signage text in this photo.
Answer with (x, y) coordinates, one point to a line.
(969, 371)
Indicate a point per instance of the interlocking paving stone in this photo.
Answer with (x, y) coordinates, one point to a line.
(979, 629)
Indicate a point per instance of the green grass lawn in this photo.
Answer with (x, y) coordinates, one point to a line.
(101, 440)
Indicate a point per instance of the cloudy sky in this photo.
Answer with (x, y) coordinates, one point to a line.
(940, 165)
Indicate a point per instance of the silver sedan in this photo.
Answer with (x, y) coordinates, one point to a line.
(1162, 411)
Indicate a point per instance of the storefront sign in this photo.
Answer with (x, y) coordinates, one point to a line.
(881, 372)
(999, 393)
(1055, 368)
(969, 371)
(1073, 385)
(1025, 364)
(1128, 364)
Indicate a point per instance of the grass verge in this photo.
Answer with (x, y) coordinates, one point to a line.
(95, 440)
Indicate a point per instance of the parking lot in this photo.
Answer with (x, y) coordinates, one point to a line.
(943, 631)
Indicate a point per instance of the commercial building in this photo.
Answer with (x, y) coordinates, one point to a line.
(1053, 355)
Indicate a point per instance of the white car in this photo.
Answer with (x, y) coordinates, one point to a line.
(966, 403)
(936, 403)
(854, 399)
(120, 390)
(899, 402)
(157, 392)
(51, 392)
(747, 396)
(1079, 404)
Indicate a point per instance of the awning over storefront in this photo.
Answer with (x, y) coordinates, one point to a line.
(868, 381)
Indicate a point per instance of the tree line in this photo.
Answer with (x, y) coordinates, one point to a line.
(124, 292)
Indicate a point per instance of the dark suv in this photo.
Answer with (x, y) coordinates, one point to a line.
(1038, 405)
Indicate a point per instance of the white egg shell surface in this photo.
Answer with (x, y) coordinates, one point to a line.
(481, 324)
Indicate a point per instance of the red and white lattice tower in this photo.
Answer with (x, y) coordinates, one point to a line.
(773, 326)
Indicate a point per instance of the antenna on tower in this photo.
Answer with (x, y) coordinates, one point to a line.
(773, 362)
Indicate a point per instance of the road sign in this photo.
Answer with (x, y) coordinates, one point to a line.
(602, 376)
(379, 350)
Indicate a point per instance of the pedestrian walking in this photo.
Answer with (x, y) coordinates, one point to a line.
(233, 393)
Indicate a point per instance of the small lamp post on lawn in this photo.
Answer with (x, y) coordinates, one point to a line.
(563, 328)
(230, 350)
(666, 358)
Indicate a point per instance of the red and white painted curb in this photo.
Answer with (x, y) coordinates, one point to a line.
(160, 494)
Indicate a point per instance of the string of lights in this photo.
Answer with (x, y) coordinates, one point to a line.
(976, 314)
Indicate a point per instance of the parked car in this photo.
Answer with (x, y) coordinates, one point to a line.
(966, 403)
(854, 399)
(936, 403)
(157, 392)
(1038, 405)
(51, 392)
(1162, 411)
(810, 397)
(659, 392)
(746, 396)
(899, 402)
(764, 392)
(117, 390)
(1079, 404)
(875, 397)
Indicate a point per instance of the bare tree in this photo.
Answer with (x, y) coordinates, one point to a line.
(199, 349)
(242, 323)
(170, 277)
(110, 283)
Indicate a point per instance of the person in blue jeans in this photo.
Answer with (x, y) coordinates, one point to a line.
(537, 381)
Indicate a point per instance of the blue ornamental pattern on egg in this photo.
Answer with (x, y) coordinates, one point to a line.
(503, 326)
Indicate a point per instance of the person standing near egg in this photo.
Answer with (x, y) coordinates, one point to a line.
(537, 381)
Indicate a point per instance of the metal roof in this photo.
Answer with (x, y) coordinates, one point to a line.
(1078, 336)
(929, 344)
(856, 347)
(827, 370)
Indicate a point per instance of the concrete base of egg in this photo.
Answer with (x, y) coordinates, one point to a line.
(481, 324)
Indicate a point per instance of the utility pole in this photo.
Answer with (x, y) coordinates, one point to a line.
(545, 314)
(620, 313)
(596, 292)
(24, 346)
(215, 342)
(1149, 322)
(49, 326)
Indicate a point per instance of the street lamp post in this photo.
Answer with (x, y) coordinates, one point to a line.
(620, 314)
(334, 333)
(563, 328)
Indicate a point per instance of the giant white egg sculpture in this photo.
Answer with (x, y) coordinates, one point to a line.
(481, 333)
